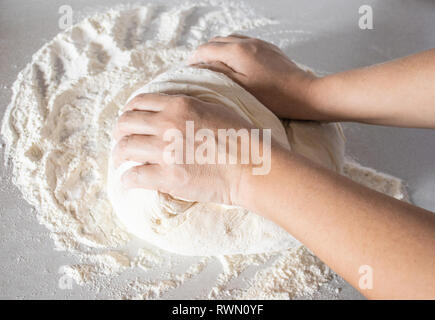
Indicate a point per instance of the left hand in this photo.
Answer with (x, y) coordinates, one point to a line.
(140, 132)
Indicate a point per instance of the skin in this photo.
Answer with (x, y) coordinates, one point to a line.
(345, 224)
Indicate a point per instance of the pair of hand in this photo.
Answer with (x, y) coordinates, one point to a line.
(259, 67)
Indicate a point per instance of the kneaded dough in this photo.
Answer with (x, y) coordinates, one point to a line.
(203, 229)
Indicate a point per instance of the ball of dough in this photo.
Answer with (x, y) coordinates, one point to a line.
(203, 229)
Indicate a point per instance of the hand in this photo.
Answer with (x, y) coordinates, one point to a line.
(140, 135)
(263, 70)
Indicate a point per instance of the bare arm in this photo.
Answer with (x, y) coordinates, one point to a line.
(348, 226)
(398, 93)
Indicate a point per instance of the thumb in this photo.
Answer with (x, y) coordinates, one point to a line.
(146, 176)
(218, 66)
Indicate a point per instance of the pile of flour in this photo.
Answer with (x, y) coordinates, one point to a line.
(57, 133)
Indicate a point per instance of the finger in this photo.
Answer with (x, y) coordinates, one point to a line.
(135, 122)
(216, 66)
(153, 102)
(237, 35)
(138, 148)
(221, 67)
(144, 177)
(230, 38)
(212, 51)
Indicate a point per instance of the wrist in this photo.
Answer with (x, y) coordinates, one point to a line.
(334, 100)
(308, 96)
(250, 193)
(318, 99)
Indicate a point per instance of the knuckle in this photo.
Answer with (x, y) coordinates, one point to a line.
(201, 48)
(182, 103)
(256, 41)
(254, 45)
(136, 99)
(125, 117)
(166, 122)
(142, 96)
(239, 47)
(123, 143)
(153, 144)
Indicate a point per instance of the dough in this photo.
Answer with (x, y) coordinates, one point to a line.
(202, 229)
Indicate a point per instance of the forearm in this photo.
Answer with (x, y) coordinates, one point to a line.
(347, 226)
(397, 93)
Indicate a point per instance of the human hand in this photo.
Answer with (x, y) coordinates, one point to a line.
(142, 131)
(265, 71)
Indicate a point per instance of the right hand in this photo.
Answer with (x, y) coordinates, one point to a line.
(264, 70)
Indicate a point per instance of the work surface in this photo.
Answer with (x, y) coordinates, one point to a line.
(29, 265)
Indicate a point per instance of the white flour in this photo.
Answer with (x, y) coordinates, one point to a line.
(57, 133)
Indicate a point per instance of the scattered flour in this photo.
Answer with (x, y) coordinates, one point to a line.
(57, 133)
